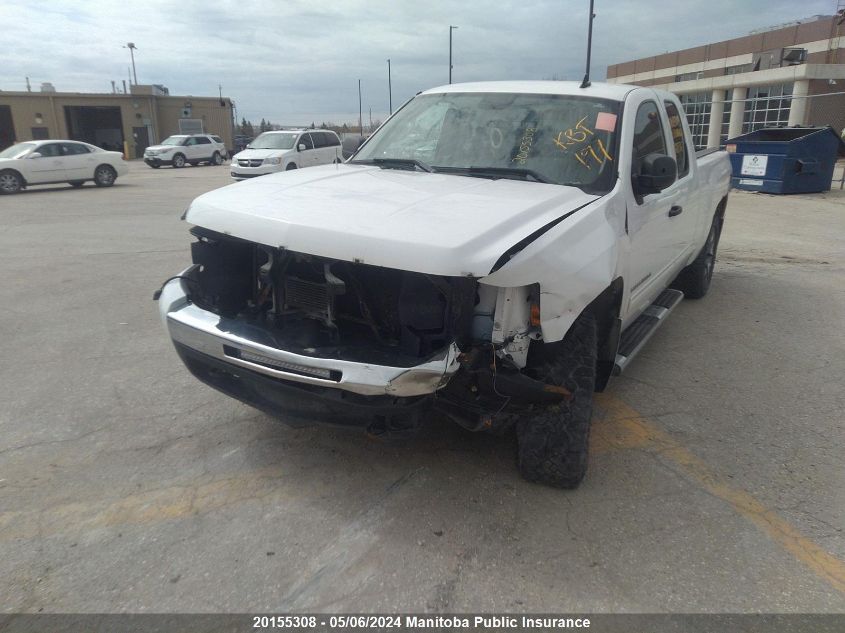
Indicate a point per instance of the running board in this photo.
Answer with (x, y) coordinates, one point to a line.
(637, 334)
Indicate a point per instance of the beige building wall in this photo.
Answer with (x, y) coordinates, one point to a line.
(159, 114)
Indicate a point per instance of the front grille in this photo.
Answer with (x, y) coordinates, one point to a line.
(250, 162)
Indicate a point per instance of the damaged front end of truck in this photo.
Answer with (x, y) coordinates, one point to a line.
(314, 339)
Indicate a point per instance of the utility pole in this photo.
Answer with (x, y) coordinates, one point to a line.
(132, 48)
(360, 111)
(451, 28)
(28, 87)
(389, 89)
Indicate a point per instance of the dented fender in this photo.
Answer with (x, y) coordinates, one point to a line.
(573, 262)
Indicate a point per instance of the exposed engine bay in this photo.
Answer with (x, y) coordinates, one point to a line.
(327, 308)
(322, 307)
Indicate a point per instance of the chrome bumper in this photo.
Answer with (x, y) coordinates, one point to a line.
(222, 339)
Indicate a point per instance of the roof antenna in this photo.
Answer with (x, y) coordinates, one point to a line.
(586, 82)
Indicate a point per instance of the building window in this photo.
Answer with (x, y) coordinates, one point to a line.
(726, 118)
(688, 76)
(767, 106)
(40, 133)
(739, 69)
(697, 108)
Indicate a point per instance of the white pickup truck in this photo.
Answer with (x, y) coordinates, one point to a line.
(495, 252)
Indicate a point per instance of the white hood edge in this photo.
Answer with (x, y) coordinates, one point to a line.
(431, 223)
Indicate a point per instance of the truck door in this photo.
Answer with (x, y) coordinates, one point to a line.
(650, 217)
(679, 239)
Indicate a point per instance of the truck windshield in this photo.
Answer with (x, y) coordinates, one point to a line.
(560, 139)
(174, 140)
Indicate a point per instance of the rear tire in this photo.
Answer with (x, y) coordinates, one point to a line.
(10, 182)
(104, 176)
(694, 280)
(216, 160)
(554, 441)
(178, 161)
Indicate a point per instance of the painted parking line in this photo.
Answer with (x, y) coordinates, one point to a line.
(628, 428)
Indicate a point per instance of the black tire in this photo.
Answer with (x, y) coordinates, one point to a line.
(10, 182)
(76, 184)
(104, 176)
(694, 280)
(216, 159)
(178, 161)
(291, 166)
(554, 441)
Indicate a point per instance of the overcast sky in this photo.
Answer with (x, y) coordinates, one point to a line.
(294, 62)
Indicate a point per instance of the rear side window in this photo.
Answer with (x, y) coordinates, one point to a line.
(332, 139)
(70, 149)
(305, 139)
(678, 139)
(319, 139)
(217, 139)
(201, 140)
(648, 134)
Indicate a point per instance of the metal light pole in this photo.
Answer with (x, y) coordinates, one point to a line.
(389, 88)
(451, 28)
(360, 111)
(132, 48)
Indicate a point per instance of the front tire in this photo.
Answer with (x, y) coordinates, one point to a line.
(10, 182)
(178, 161)
(217, 159)
(694, 280)
(554, 441)
(104, 176)
(291, 166)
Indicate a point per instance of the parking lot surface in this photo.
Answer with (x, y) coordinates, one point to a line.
(717, 477)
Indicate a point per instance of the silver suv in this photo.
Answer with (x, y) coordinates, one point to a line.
(193, 149)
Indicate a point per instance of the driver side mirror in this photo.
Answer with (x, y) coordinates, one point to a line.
(657, 172)
(35, 155)
(300, 147)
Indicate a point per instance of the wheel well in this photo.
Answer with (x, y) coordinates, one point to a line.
(17, 173)
(291, 166)
(105, 165)
(606, 309)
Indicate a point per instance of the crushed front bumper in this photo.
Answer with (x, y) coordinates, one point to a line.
(240, 345)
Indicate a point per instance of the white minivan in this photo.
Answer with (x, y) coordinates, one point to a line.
(286, 149)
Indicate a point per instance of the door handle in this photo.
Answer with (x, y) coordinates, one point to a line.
(676, 209)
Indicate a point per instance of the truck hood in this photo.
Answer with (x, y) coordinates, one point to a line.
(431, 223)
(157, 148)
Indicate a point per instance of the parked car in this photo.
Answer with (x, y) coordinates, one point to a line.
(182, 149)
(240, 142)
(495, 251)
(52, 161)
(284, 150)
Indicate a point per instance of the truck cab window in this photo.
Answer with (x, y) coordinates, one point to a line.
(648, 134)
(678, 139)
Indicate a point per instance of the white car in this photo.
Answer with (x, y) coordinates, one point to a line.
(287, 149)
(191, 149)
(52, 161)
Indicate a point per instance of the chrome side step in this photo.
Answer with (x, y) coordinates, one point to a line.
(637, 334)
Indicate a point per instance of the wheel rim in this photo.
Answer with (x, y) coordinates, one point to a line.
(9, 183)
(178, 161)
(105, 175)
(217, 159)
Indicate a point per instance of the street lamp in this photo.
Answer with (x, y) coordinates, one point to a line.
(389, 88)
(132, 48)
(451, 28)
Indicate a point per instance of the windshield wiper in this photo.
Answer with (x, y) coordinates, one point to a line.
(397, 163)
(504, 172)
